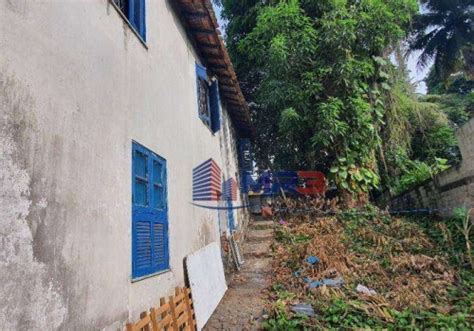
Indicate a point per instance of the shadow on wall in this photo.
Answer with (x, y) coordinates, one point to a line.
(29, 299)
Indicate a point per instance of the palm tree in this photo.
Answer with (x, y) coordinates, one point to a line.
(444, 32)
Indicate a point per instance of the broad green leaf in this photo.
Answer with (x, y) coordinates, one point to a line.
(385, 86)
(343, 174)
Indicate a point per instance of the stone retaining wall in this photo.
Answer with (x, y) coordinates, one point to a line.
(449, 189)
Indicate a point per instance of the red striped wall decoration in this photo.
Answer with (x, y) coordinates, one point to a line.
(230, 189)
(207, 181)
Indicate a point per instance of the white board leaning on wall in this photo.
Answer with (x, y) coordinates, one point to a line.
(207, 281)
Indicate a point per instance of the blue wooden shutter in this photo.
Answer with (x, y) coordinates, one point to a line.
(133, 6)
(150, 248)
(136, 16)
(160, 212)
(215, 107)
(142, 258)
(142, 20)
(201, 72)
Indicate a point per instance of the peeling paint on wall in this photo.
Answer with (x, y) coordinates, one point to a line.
(28, 299)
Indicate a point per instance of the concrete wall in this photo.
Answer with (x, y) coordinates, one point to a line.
(449, 189)
(76, 87)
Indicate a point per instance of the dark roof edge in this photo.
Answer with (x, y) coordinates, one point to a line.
(202, 27)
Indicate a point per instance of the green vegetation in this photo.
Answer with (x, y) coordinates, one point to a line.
(324, 79)
(329, 90)
(325, 94)
(415, 139)
(416, 173)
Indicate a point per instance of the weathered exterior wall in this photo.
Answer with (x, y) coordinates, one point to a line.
(76, 87)
(449, 189)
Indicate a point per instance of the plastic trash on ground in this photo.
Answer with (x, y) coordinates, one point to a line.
(336, 282)
(303, 308)
(315, 284)
(313, 259)
(364, 289)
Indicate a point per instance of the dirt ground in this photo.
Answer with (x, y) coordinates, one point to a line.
(242, 307)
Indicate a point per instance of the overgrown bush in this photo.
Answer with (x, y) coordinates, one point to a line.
(418, 172)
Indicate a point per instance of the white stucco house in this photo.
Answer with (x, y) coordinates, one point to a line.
(117, 118)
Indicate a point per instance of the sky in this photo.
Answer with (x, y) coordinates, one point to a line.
(416, 74)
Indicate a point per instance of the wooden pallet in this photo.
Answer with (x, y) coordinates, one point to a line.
(174, 314)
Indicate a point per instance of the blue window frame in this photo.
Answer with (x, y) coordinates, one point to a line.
(208, 99)
(150, 247)
(134, 11)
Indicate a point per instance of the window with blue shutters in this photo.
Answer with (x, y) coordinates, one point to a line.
(208, 99)
(150, 253)
(134, 11)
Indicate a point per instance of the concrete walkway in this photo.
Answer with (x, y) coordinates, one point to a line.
(242, 306)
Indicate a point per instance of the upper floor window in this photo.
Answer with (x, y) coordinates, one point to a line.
(208, 99)
(134, 11)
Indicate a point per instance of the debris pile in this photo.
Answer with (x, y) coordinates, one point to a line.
(306, 205)
(367, 263)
